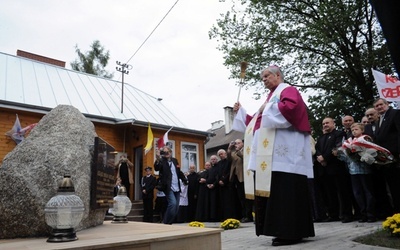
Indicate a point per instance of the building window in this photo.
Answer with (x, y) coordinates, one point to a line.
(189, 156)
(170, 144)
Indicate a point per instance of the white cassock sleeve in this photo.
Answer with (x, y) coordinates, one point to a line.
(239, 122)
(273, 118)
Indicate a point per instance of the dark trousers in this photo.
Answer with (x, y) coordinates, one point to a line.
(392, 176)
(148, 210)
(338, 196)
(246, 204)
(383, 202)
(364, 194)
(161, 206)
(317, 201)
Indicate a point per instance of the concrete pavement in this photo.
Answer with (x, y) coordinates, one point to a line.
(329, 236)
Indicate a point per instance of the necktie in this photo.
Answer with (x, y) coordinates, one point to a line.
(381, 120)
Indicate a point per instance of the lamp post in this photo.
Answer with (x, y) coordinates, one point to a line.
(121, 207)
(124, 69)
(63, 212)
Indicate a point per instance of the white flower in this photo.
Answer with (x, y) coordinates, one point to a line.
(368, 156)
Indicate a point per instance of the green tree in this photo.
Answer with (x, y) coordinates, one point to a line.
(93, 61)
(326, 48)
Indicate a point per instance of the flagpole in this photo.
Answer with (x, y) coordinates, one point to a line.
(243, 66)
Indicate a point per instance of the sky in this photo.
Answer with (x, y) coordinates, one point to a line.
(178, 62)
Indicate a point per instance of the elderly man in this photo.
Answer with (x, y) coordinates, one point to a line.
(387, 135)
(347, 121)
(235, 156)
(332, 173)
(277, 148)
(372, 116)
(383, 206)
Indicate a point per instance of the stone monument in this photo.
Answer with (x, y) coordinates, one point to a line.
(61, 143)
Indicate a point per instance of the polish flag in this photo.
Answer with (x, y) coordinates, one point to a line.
(164, 140)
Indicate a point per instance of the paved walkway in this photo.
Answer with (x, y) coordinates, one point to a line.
(329, 236)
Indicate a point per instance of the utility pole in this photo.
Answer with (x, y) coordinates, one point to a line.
(124, 69)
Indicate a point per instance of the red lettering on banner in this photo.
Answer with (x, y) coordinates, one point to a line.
(390, 79)
(391, 92)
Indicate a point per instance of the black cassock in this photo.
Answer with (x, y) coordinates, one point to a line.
(193, 190)
(203, 203)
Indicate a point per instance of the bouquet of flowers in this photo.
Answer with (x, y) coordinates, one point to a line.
(392, 225)
(362, 149)
(196, 224)
(230, 224)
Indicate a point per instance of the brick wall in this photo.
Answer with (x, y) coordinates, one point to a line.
(7, 120)
(40, 58)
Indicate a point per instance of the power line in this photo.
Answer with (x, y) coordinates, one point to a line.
(153, 30)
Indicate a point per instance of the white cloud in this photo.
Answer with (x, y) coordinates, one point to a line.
(178, 62)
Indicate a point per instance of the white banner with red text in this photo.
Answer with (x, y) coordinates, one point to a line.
(388, 86)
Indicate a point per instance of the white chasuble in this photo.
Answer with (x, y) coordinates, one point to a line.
(275, 146)
(265, 147)
(258, 149)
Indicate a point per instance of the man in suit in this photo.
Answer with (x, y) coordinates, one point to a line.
(347, 121)
(373, 117)
(331, 173)
(235, 156)
(383, 206)
(387, 135)
(170, 173)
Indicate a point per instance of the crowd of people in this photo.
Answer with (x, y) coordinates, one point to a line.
(285, 177)
(213, 194)
(343, 188)
(356, 168)
(220, 186)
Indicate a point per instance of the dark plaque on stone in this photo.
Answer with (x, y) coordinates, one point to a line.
(102, 180)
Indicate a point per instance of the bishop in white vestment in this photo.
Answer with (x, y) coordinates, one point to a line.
(277, 149)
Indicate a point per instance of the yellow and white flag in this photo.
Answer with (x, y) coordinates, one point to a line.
(150, 138)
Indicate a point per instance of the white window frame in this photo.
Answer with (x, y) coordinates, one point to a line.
(184, 162)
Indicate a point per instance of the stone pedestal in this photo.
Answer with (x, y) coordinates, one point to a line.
(132, 235)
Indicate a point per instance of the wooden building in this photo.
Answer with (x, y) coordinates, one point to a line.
(30, 89)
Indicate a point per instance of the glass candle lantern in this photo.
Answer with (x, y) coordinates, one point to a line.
(64, 212)
(121, 206)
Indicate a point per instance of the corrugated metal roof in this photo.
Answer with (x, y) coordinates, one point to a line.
(44, 85)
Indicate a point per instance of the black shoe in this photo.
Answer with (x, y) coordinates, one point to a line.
(245, 220)
(284, 242)
(362, 220)
(319, 219)
(331, 219)
(347, 220)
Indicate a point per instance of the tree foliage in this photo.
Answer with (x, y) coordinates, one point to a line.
(93, 61)
(325, 47)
